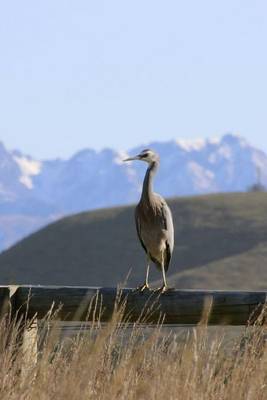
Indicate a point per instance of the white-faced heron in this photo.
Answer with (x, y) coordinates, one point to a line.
(153, 220)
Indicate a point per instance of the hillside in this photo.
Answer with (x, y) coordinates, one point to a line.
(35, 192)
(221, 242)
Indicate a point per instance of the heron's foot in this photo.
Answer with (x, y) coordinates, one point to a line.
(162, 289)
(143, 287)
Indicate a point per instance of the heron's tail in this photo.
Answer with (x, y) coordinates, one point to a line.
(167, 260)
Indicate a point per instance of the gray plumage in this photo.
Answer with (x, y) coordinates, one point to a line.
(153, 220)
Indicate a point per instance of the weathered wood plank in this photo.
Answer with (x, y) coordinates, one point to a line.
(177, 306)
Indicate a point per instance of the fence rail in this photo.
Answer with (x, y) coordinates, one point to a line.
(173, 307)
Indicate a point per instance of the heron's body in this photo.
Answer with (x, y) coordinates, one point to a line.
(155, 234)
(153, 219)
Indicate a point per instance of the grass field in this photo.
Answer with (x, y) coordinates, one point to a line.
(220, 243)
(116, 362)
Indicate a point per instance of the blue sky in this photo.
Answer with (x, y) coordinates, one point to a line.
(84, 73)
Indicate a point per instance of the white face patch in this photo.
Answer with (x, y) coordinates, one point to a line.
(146, 154)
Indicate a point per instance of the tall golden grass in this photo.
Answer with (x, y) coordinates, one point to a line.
(120, 361)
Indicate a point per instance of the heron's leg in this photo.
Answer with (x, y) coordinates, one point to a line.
(164, 286)
(147, 272)
(164, 277)
(145, 284)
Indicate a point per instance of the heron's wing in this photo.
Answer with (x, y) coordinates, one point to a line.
(138, 229)
(168, 226)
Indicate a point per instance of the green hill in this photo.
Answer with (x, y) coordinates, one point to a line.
(220, 242)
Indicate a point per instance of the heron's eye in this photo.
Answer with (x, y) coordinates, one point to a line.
(145, 155)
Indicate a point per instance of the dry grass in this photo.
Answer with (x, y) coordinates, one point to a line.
(118, 362)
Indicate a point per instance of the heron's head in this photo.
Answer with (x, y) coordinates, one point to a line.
(146, 155)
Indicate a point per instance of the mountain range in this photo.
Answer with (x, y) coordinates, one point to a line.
(34, 192)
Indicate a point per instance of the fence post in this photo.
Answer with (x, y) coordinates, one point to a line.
(27, 331)
(4, 301)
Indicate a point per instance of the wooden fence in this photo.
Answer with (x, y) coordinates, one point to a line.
(81, 305)
(173, 307)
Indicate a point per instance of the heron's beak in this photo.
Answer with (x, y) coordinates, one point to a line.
(132, 158)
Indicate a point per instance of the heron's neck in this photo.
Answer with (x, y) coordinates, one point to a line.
(147, 192)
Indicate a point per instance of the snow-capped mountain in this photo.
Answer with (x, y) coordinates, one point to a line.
(34, 192)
